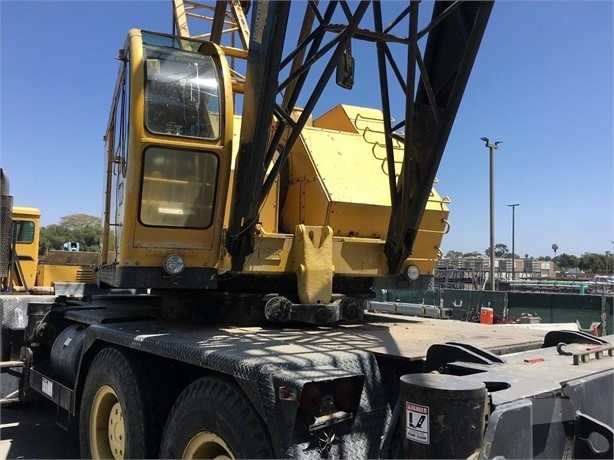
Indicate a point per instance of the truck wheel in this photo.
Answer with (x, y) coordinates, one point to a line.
(116, 417)
(213, 419)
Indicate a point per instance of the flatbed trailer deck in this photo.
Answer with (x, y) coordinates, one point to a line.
(274, 365)
(396, 336)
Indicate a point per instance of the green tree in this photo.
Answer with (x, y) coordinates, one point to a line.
(78, 228)
(454, 254)
(566, 261)
(592, 262)
(79, 221)
(500, 250)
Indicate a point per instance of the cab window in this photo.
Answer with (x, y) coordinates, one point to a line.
(23, 231)
(181, 93)
(178, 188)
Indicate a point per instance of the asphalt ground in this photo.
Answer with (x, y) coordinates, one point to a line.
(29, 431)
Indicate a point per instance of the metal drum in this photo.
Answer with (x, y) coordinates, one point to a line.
(443, 415)
(66, 352)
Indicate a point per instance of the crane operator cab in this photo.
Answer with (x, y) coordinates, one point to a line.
(168, 159)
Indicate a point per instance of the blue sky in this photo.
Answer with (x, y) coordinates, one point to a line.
(542, 84)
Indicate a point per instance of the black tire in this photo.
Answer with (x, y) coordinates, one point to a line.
(213, 418)
(114, 395)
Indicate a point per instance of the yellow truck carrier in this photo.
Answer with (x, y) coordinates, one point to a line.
(238, 251)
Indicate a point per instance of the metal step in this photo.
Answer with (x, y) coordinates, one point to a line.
(11, 385)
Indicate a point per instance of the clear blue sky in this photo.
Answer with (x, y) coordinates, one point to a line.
(542, 84)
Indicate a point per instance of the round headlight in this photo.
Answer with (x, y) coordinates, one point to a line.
(413, 272)
(174, 264)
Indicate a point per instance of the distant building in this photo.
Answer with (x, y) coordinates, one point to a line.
(474, 270)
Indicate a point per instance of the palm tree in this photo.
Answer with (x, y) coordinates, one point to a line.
(555, 247)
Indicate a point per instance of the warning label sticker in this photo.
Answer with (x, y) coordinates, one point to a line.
(417, 423)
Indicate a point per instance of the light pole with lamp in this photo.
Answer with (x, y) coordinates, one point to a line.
(492, 146)
(513, 206)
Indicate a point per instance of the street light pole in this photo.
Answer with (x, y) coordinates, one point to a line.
(492, 146)
(513, 206)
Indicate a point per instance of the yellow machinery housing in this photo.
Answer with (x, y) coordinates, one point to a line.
(36, 275)
(351, 139)
(172, 141)
(67, 267)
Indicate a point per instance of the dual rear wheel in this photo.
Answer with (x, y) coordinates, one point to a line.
(123, 415)
(213, 419)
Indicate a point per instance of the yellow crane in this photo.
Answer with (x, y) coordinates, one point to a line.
(303, 194)
(233, 216)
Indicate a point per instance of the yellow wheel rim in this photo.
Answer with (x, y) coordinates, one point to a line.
(107, 430)
(207, 445)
